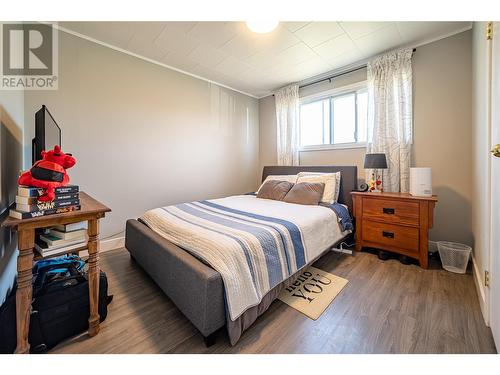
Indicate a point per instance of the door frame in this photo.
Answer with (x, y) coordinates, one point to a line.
(483, 89)
(489, 98)
(493, 120)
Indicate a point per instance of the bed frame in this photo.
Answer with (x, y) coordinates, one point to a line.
(194, 287)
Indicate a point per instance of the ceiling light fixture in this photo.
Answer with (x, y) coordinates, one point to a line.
(262, 26)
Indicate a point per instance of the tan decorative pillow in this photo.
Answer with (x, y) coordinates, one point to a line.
(274, 189)
(330, 181)
(285, 177)
(305, 193)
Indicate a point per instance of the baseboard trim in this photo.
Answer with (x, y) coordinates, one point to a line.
(107, 245)
(112, 243)
(481, 292)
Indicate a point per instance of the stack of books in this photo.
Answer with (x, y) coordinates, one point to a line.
(28, 206)
(61, 239)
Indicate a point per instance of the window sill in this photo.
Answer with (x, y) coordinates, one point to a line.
(342, 146)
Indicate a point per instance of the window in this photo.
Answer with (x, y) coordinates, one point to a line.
(339, 119)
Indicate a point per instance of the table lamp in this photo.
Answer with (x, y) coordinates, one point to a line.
(375, 162)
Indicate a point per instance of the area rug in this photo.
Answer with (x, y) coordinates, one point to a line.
(313, 292)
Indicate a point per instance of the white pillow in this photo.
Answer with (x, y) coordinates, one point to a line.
(331, 181)
(285, 177)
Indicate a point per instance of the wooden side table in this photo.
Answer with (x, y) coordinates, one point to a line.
(91, 211)
(397, 222)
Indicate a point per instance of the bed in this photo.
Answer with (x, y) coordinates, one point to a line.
(197, 289)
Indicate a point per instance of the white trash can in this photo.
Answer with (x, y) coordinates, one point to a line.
(454, 256)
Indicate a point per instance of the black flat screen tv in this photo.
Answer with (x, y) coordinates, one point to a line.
(47, 133)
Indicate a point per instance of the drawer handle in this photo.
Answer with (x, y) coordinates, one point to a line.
(388, 211)
(388, 234)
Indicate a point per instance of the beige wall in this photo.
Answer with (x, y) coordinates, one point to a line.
(442, 126)
(480, 157)
(145, 136)
(442, 77)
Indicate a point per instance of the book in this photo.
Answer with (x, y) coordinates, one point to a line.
(33, 200)
(26, 200)
(45, 246)
(44, 250)
(41, 206)
(29, 191)
(29, 215)
(79, 233)
(66, 196)
(71, 227)
(53, 241)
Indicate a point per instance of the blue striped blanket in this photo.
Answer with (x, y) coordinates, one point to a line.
(254, 244)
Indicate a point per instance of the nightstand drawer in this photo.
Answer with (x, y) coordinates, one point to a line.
(394, 211)
(391, 235)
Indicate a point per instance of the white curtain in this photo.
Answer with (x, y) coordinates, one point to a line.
(287, 121)
(390, 116)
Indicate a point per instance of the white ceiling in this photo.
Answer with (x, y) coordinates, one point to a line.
(230, 54)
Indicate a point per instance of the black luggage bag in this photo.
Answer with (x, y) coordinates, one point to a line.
(8, 324)
(60, 309)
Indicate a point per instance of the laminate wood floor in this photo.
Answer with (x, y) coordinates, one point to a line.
(386, 307)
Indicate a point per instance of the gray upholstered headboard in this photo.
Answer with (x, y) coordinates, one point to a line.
(348, 180)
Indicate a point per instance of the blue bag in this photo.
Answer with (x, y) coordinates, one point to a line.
(47, 270)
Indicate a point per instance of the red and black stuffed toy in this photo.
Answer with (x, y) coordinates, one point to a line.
(49, 173)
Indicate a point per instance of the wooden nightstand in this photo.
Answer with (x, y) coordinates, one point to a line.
(91, 211)
(396, 222)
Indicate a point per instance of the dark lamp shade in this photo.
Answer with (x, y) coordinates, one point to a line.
(375, 161)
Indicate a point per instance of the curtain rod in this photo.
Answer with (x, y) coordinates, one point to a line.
(336, 75)
(333, 76)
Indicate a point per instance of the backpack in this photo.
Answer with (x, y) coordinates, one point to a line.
(60, 305)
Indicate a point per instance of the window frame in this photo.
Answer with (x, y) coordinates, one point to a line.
(330, 94)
